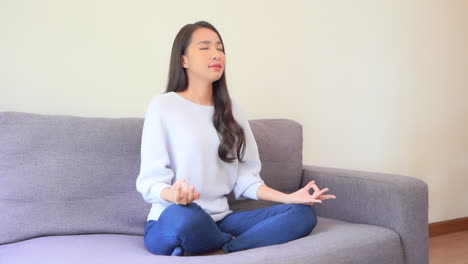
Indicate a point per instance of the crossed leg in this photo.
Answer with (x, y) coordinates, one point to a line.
(189, 227)
(184, 226)
(267, 226)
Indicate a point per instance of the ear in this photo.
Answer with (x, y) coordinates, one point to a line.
(184, 61)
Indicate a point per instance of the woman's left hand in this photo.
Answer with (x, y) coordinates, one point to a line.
(302, 196)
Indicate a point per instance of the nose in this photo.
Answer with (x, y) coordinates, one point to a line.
(216, 55)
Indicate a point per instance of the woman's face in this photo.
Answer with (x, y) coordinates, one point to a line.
(204, 59)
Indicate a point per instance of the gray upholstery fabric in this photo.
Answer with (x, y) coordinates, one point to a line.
(65, 178)
(331, 241)
(281, 161)
(69, 175)
(399, 203)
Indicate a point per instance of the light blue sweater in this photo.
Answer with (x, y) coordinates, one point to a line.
(179, 141)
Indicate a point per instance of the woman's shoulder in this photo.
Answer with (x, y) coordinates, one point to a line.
(161, 100)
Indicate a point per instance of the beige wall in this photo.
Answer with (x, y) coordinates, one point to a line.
(377, 85)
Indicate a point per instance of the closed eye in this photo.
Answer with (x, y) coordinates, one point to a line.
(207, 48)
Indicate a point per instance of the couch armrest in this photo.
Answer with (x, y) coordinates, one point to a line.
(397, 202)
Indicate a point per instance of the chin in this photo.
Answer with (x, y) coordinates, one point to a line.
(215, 79)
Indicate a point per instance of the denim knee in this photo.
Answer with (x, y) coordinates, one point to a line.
(148, 226)
(173, 225)
(307, 216)
(185, 217)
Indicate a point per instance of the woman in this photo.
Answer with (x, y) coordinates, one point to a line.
(197, 147)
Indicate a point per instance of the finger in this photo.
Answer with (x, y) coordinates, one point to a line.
(181, 190)
(190, 194)
(177, 191)
(177, 183)
(319, 193)
(185, 194)
(310, 184)
(327, 196)
(197, 196)
(315, 201)
(180, 182)
(184, 186)
(316, 188)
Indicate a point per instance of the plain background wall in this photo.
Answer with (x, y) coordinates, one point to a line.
(377, 85)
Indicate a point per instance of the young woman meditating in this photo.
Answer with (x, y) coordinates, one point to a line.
(197, 147)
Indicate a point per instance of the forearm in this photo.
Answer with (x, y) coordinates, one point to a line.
(268, 194)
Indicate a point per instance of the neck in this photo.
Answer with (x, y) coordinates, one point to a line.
(199, 93)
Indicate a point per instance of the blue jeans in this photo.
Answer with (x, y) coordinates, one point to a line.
(192, 229)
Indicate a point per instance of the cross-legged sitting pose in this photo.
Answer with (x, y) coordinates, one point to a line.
(197, 147)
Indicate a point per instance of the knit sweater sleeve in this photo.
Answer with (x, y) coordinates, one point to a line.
(155, 172)
(248, 178)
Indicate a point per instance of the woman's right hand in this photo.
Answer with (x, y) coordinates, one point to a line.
(182, 193)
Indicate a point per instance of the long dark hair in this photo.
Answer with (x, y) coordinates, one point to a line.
(230, 132)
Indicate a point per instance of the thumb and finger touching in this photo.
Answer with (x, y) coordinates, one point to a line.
(183, 193)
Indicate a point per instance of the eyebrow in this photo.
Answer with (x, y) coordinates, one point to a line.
(208, 42)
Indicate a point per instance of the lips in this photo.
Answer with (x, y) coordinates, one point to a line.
(215, 65)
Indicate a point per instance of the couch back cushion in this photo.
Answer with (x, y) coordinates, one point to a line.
(279, 144)
(64, 175)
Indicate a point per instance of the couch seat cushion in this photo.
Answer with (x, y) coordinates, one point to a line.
(332, 241)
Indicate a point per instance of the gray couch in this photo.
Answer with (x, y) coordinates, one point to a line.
(68, 195)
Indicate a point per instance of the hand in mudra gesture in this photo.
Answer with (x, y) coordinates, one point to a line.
(302, 196)
(182, 193)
